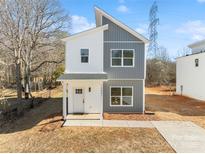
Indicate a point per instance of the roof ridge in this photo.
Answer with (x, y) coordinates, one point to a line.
(122, 25)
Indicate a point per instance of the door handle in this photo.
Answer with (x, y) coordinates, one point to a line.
(83, 101)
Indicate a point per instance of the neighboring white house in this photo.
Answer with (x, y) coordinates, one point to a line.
(190, 79)
(104, 69)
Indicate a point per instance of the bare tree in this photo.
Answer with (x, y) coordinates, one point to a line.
(28, 29)
(160, 70)
(183, 52)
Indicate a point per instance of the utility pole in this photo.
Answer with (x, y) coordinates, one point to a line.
(153, 34)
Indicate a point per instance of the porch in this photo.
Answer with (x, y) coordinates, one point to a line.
(83, 96)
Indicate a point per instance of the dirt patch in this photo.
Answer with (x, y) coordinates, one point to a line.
(51, 123)
(138, 117)
(161, 90)
(174, 107)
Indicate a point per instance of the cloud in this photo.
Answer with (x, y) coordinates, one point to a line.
(80, 23)
(122, 8)
(121, 1)
(142, 29)
(194, 29)
(201, 1)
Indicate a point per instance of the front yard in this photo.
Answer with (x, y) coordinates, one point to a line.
(39, 130)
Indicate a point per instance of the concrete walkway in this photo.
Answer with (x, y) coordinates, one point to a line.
(109, 123)
(184, 137)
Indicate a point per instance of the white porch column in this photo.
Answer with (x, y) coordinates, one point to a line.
(64, 99)
(70, 99)
(101, 117)
(143, 96)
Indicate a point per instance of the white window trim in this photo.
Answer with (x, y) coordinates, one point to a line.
(196, 60)
(121, 105)
(122, 62)
(85, 56)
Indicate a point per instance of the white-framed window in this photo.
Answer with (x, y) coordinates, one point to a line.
(122, 57)
(196, 62)
(121, 96)
(84, 55)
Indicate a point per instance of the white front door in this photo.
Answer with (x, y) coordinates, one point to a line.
(78, 106)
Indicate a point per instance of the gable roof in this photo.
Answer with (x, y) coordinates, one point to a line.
(104, 27)
(98, 16)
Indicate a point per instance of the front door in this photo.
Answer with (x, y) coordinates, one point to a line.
(78, 105)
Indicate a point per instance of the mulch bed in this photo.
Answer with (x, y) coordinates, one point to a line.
(132, 116)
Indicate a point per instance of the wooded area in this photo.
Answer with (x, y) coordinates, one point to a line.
(31, 51)
(161, 70)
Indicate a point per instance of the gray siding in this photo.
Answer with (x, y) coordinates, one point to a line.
(137, 97)
(82, 76)
(115, 33)
(136, 72)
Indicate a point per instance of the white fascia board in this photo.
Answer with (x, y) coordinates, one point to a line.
(193, 45)
(104, 27)
(199, 54)
(99, 13)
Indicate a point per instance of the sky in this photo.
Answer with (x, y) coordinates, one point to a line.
(181, 22)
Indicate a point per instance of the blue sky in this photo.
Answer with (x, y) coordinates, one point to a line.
(181, 21)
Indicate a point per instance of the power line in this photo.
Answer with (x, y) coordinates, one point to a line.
(153, 34)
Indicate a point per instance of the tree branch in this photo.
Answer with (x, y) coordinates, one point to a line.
(45, 62)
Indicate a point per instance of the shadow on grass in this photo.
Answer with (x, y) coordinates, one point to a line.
(48, 109)
(176, 104)
(45, 113)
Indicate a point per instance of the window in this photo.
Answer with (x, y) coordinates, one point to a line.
(122, 58)
(78, 91)
(84, 55)
(116, 57)
(196, 62)
(89, 89)
(121, 96)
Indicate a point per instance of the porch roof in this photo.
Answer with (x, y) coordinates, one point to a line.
(83, 76)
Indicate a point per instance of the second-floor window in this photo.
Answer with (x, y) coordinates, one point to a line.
(122, 57)
(84, 55)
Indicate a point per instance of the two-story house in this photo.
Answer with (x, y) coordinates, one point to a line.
(190, 72)
(104, 69)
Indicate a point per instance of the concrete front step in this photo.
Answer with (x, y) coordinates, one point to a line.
(83, 117)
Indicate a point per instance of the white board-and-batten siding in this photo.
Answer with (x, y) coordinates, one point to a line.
(189, 76)
(93, 42)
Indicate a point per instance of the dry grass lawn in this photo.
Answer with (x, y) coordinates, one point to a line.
(85, 139)
(39, 130)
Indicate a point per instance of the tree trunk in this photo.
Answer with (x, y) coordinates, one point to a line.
(18, 80)
(27, 82)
